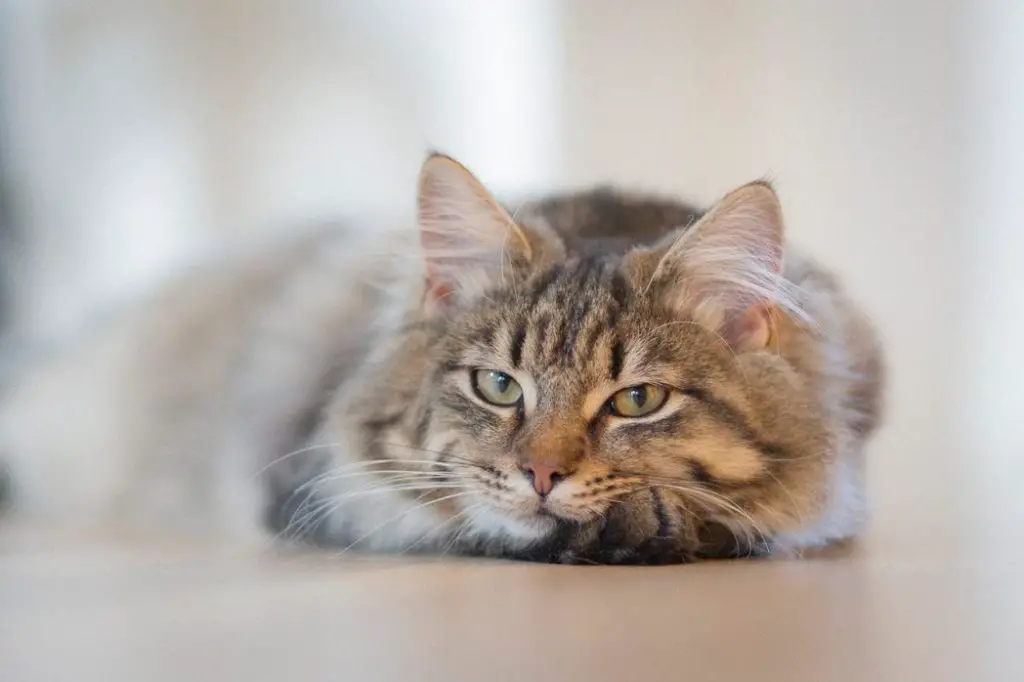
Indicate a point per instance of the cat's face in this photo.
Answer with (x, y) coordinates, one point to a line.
(603, 406)
(577, 393)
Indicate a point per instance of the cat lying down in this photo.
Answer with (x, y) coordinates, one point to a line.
(596, 378)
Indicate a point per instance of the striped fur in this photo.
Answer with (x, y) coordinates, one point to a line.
(324, 392)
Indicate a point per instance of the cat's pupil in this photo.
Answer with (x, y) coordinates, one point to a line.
(638, 395)
(501, 382)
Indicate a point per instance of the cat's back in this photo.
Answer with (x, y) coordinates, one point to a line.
(232, 353)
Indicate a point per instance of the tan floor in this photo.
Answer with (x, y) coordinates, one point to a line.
(926, 596)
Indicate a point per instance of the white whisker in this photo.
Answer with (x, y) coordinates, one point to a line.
(720, 501)
(436, 531)
(400, 516)
(792, 498)
(465, 527)
(328, 506)
(291, 454)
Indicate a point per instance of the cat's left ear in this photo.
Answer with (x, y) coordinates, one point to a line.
(469, 240)
(725, 272)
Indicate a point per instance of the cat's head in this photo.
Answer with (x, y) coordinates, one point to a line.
(618, 405)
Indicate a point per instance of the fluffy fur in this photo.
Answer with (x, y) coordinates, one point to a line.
(324, 390)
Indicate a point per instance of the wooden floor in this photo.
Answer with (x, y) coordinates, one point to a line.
(934, 592)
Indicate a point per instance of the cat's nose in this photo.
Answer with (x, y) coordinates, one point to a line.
(544, 476)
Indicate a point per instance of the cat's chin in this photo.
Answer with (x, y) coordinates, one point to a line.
(516, 531)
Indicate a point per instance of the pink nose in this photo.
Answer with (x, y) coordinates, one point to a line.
(543, 476)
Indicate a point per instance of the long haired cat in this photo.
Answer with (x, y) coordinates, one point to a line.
(595, 378)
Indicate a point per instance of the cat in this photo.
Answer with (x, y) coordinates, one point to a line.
(596, 377)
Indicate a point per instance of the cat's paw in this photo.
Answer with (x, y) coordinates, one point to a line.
(715, 541)
(653, 552)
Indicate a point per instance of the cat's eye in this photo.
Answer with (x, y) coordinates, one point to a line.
(497, 388)
(638, 401)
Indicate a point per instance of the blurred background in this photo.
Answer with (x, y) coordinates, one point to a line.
(135, 136)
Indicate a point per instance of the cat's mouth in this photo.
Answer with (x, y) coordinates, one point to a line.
(518, 513)
(547, 510)
(542, 514)
(538, 528)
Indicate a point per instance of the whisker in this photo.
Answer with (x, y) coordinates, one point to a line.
(341, 472)
(385, 475)
(447, 455)
(312, 518)
(464, 528)
(400, 488)
(328, 506)
(399, 517)
(392, 477)
(721, 502)
(278, 460)
(389, 461)
(792, 498)
(435, 531)
(336, 474)
(687, 485)
(687, 510)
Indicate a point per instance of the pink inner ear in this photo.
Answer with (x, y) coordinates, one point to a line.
(750, 329)
(438, 291)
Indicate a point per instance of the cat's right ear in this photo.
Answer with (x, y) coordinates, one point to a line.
(725, 271)
(469, 240)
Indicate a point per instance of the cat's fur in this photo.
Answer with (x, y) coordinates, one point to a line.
(322, 389)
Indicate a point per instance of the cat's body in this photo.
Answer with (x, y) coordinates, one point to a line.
(316, 390)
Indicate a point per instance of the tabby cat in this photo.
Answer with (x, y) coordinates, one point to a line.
(596, 377)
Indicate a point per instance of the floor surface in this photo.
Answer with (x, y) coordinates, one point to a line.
(946, 604)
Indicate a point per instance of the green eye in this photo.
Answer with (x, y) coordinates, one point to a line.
(638, 401)
(497, 388)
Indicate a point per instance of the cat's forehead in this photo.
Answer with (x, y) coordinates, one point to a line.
(590, 277)
(578, 320)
